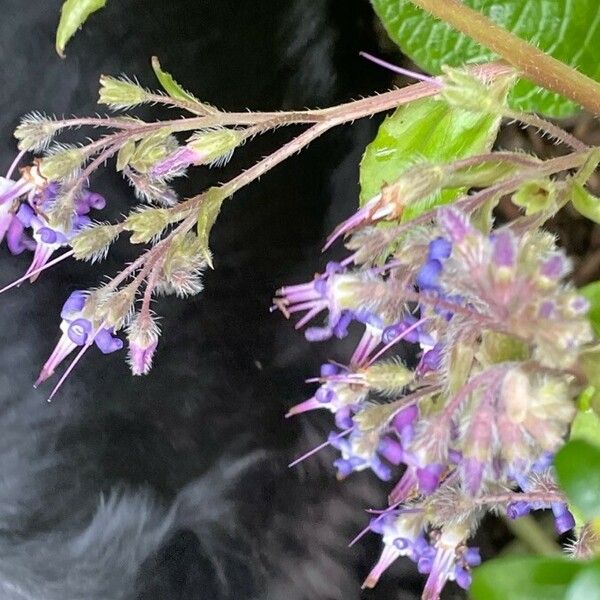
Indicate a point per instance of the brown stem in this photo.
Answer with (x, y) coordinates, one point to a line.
(539, 67)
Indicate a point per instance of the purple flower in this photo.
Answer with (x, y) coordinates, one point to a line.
(451, 562)
(336, 291)
(143, 339)
(402, 536)
(563, 518)
(77, 330)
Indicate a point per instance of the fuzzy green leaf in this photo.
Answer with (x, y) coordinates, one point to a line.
(591, 292)
(73, 15)
(170, 85)
(566, 29)
(425, 130)
(585, 203)
(578, 470)
(524, 578)
(586, 425)
(207, 215)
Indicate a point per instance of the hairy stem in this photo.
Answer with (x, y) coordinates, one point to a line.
(554, 131)
(539, 67)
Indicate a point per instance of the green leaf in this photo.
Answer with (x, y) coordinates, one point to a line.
(578, 469)
(586, 584)
(427, 129)
(207, 215)
(524, 578)
(125, 154)
(73, 15)
(566, 29)
(586, 425)
(585, 203)
(592, 293)
(170, 85)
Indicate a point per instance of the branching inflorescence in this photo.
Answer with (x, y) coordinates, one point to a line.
(497, 331)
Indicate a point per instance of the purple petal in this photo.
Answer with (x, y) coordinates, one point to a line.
(324, 395)
(429, 275)
(391, 450)
(327, 370)
(429, 477)
(106, 342)
(15, 236)
(439, 249)
(74, 304)
(504, 249)
(47, 235)
(79, 331)
(462, 577)
(25, 214)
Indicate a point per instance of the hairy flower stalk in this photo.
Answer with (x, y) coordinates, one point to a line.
(497, 334)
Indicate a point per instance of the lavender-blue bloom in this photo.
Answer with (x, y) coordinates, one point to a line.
(77, 330)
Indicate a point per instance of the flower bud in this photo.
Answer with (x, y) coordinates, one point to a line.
(119, 93)
(152, 191)
(61, 162)
(183, 266)
(151, 149)
(35, 132)
(93, 243)
(146, 224)
(211, 147)
(388, 377)
(465, 90)
(142, 336)
(215, 147)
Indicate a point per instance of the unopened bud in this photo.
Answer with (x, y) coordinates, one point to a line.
(93, 243)
(116, 309)
(212, 147)
(183, 266)
(215, 147)
(142, 336)
(388, 377)
(119, 93)
(465, 90)
(35, 132)
(146, 224)
(61, 162)
(152, 149)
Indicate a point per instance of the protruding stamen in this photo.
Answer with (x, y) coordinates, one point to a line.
(36, 271)
(400, 70)
(319, 448)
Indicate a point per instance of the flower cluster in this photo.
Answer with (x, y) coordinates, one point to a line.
(28, 222)
(489, 399)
